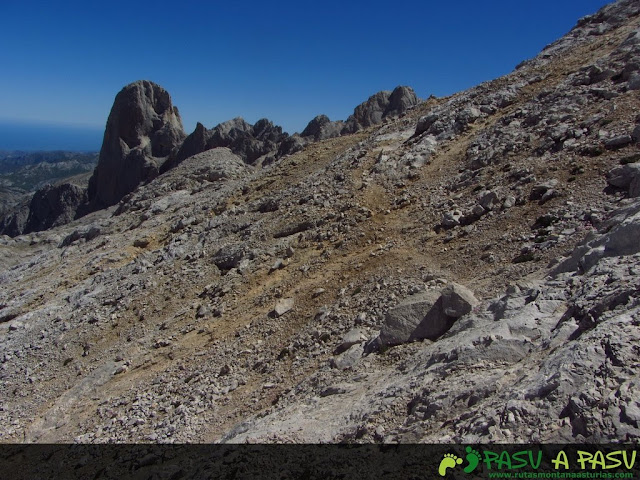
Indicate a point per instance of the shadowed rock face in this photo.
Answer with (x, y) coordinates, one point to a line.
(53, 206)
(142, 130)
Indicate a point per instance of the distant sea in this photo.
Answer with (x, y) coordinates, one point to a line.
(37, 136)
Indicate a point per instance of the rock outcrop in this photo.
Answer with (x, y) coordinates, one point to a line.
(53, 206)
(380, 106)
(321, 128)
(12, 224)
(50, 206)
(252, 143)
(143, 128)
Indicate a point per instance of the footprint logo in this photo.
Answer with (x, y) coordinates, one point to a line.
(473, 457)
(449, 461)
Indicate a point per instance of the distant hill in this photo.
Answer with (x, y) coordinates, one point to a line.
(22, 173)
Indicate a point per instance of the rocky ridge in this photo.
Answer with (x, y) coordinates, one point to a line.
(230, 301)
(144, 137)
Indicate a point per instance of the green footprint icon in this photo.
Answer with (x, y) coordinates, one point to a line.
(449, 461)
(473, 457)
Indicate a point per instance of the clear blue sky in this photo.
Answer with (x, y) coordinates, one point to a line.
(63, 62)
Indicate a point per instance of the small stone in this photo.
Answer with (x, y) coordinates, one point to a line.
(120, 369)
(348, 358)
(618, 142)
(283, 306)
(15, 326)
(478, 210)
(317, 292)
(488, 199)
(141, 243)
(277, 265)
(540, 189)
(203, 311)
(451, 219)
(509, 202)
(353, 337)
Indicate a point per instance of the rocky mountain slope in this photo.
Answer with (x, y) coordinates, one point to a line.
(465, 271)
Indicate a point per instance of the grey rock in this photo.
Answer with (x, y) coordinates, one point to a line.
(457, 300)
(488, 199)
(620, 240)
(468, 115)
(509, 202)
(291, 145)
(618, 142)
(634, 81)
(195, 143)
(203, 311)
(355, 336)
(451, 219)
(540, 189)
(277, 265)
(14, 222)
(367, 113)
(400, 100)
(635, 135)
(478, 210)
(229, 256)
(626, 177)
(249, 142)
(282, 306)
(425, 123)
(217, 164)
(88, 234)
(426, 315)
(348, 358)
(419, 316)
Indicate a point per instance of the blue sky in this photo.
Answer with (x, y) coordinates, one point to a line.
(63, 62)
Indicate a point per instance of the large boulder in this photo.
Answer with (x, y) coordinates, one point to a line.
(457, 300)
(626, 177)
(142, 130)
(427, 315)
